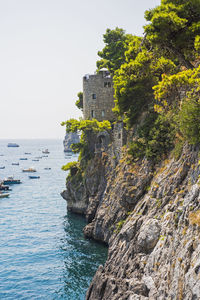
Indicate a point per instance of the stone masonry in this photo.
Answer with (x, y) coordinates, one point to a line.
(98, 99)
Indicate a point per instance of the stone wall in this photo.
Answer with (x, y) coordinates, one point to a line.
(98, 98)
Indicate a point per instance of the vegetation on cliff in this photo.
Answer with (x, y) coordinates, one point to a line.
(156, 75)
(85, 148)
(159, 71)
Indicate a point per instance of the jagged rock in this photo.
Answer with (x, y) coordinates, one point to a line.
(70, 138)
(144, 217)
(149, 235)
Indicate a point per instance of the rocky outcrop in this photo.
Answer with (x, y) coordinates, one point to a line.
(149, 216)
(70, 138)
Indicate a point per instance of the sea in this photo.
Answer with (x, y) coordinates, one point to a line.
(43, 253)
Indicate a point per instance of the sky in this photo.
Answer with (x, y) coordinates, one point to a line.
(47, 46)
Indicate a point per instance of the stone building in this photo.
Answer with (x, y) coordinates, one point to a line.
(98, 96)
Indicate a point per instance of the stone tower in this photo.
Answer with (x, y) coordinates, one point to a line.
(98, 99)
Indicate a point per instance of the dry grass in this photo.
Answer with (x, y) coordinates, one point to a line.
(194, 217)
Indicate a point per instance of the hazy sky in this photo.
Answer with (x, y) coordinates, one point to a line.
(47, 46)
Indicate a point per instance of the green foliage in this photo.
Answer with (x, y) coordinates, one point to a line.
(134, 82)
(178, 148)
(197, 44)
(79, 102)
(173, 27)
(168, 91)
(155, 138)
(87, 128)
(189, 120)
(70, 165)
(73, 168)
(74, 125)
(113, 54)
(119, 226)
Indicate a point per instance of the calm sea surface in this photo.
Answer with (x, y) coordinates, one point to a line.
(43, 254)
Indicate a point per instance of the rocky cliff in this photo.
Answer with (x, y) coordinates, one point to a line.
(149, 217)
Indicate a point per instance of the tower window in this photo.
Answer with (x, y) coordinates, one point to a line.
(107, 84)
(94, 96)
(92, 114)
(103, 113)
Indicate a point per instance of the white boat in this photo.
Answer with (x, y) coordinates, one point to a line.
(46, 151)
(29, 170)
(4, 195)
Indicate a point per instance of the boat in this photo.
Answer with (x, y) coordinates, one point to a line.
(3, 167)
(15, 164)
(35, 159)
(46, 151)
(4, 195)
(11, 180)
(27, 153)
(47, 168)
(44, 155)
(29, 170)
(12, 145)
(34, 177)
(4, 187)
(23, 158)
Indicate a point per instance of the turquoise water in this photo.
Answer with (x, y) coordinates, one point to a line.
(43, 254)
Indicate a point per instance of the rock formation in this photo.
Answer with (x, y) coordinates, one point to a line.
(70, 138)
(149, 217)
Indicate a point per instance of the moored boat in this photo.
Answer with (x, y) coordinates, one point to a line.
(3, 167)
(46, 151)
(15, 164)
(4, 187)
(34, 177)
(4, 195)
(31, 169)
(23, 158)
(11, 180)
(12, 145)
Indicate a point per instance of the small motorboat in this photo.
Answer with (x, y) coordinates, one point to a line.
(29, 170)
(23, 158)
(35, 159)
(4, 195)
(47, 168)
(34, 177)
(3, 167)
(4, 187)
(27, 153)
(44, 155)
(15, 164)
(12, 145)
(11, 180)
(46, 151)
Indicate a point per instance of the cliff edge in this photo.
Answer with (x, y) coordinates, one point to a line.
(149, 218)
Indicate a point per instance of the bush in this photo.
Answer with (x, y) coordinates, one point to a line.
(189, 120)
(155, 138)
(72, 167)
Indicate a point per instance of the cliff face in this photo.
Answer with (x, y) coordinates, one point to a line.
(149, 218)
